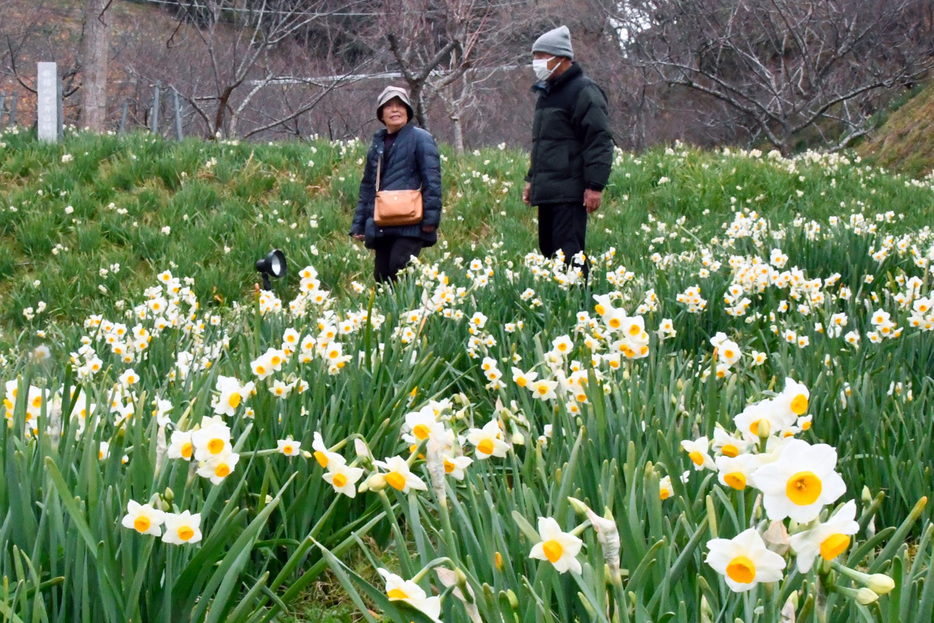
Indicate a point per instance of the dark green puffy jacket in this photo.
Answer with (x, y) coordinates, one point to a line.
(572, 147)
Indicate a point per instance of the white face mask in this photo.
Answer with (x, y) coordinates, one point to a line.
(540, 67)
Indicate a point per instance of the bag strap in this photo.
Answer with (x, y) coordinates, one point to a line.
(378, 162)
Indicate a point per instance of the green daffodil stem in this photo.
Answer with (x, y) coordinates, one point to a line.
(396, 532)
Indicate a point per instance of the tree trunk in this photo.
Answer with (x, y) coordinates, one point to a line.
(95, 54)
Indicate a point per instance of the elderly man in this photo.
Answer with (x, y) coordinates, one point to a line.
(572, 148)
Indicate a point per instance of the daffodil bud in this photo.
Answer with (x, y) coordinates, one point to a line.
(579, 507)
(866, 495)
(307, 454)
(169, 495)
(866, 596)
(513, 600)
(376, 483)
(880, 583)
(764, 429)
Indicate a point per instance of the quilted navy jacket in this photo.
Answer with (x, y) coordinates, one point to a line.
(413, 163)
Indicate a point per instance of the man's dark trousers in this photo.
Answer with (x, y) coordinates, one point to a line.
(562, 226)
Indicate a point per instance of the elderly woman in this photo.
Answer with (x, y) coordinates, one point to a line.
(401, 157)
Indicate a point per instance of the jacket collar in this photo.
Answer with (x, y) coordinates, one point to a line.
(553, 85)
(381, 134)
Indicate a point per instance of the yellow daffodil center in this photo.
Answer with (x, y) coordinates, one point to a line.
(741, 570)
(806, 425)
(834, 545)
(730, 450)
(397, 593)
(799, 405)
(421, 432)
(553, 551)
(485, 446)
(614, 323)
(288, 448)
(521, 382)
(542, 389)
(803, 488)
(396, 480)
(600, 309)
(449, 467)
(260, 370)
(234, 400)
(339, 480)
(322, 458)
(37, 402)
(664, 494)
(185, 533)
(186, 450)
(222, 470)
(728, 353)
(142, 523)
(737, 480)
(216, 446)
(697, 457)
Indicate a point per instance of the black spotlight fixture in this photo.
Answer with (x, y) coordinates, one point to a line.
(273, 265)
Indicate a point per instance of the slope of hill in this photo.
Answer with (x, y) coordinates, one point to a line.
(72, 212)
(905, 142)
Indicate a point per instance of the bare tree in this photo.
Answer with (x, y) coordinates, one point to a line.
(485, 35)
(244, 47)
(443, 40)
(782, 67)
(95, 53)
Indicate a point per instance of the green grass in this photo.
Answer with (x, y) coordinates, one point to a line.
(121, 194)
(904, 142)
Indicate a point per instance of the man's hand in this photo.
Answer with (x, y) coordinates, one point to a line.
(592, 199)
(525, 193)
(428, 228)
(358, 237)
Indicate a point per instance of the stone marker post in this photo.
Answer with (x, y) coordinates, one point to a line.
(48, 107)
(154, 119)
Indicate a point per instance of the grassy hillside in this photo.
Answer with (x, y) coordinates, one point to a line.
(905, 143)
(89, 222)
(786, 304)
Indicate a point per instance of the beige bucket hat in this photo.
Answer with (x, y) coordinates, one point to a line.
(389, 93)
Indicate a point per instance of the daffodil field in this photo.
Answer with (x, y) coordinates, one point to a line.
(731, 420)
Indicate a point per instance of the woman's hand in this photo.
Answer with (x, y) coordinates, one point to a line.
(428, 229)
(358, 237)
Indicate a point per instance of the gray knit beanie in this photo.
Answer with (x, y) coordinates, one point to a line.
(556, 42)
